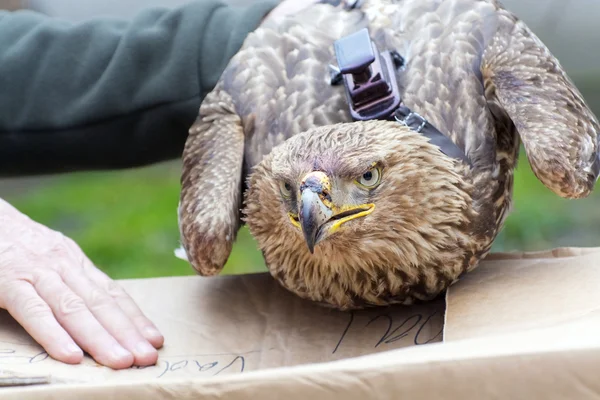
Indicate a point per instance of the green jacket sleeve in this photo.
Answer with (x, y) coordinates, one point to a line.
(107, 93)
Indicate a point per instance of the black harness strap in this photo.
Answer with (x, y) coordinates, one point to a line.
(419, 124)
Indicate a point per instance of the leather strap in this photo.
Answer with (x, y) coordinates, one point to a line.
(414, 121)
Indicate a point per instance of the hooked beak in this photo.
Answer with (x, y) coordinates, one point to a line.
(318, 216)
(313, 215)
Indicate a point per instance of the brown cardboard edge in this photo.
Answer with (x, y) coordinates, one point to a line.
(557, 252)
(559, 365)
(539, 375)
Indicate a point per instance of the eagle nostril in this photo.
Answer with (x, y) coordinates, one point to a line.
(317, 182)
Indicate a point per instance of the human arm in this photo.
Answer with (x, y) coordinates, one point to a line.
(110, 93)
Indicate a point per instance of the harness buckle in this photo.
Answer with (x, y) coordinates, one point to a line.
(368, 75)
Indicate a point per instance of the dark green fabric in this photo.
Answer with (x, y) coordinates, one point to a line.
(110, 93)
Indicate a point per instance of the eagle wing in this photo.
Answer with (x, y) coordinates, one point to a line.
(558, 130)
(211, 184)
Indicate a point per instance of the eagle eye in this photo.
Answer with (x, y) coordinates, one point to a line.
(286, 189)
(370, 179)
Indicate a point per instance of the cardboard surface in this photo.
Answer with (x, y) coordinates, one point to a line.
(232, 324)
(518, 292)
(520, 326)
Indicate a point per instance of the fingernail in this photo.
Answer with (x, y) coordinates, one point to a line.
(144, 348)
(72, 348)
(152, 332)
(120, 352)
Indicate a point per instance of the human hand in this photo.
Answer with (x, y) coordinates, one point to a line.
(64, 302)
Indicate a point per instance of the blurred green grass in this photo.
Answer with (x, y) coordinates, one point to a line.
(126, 221)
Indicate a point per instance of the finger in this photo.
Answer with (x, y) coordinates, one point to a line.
(127, 304)
(35, 316)
(110, 315)
(72, 313)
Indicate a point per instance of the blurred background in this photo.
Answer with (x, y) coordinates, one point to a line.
(126, 220)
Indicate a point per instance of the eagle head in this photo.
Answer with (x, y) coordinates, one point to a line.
(361, 213)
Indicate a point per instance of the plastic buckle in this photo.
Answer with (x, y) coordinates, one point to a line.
(368, 75)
